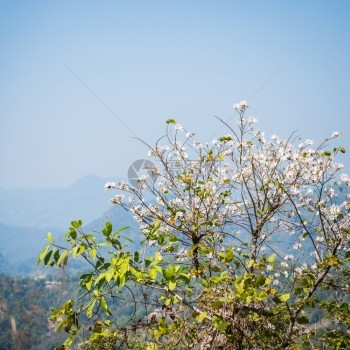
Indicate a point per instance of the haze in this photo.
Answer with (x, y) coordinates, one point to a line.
(80, 81)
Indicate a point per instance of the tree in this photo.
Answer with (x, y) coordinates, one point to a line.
(245, 246)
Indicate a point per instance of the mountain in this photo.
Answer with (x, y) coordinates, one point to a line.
(27, 215)
(20, 246)
(85, 199)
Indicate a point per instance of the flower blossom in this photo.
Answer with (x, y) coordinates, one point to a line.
(110, 185)
(178, 127)
(309, 142)
(252, 120)
(345, 178)
(297, 246)
(336, 133)
(117, 199)
(241, 106)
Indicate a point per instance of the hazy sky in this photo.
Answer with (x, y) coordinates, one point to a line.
(74, 73)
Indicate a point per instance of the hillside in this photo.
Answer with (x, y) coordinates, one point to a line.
(85, 199)
(27, 215)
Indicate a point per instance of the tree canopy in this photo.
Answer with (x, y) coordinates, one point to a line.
(245, 245)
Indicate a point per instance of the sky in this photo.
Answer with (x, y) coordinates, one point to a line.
(81, 81)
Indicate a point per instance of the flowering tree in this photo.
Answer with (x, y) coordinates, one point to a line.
(246, 246)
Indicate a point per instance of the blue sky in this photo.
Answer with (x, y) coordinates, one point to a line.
(151, 60)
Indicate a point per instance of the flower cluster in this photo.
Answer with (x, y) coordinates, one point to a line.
(251, 196)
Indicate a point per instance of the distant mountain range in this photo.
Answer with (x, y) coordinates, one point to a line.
(85, 199)
(27, 215)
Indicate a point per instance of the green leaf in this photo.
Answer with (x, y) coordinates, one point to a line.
(185, 278)
(220, 324)
(347, 256)
(153, 273)
(239, 284)
(172, 284)
(260, 281)
(171, 121)
(88, 284)
(271, 258)
(68, 342)
(283, 297)
(216, 305)
(168, 273)
(62, 260)
(76, 224)
(122, 229)
(42, 254)
(47, 257)
(106, 276)
(93, 253)
(91, 308)
(49, 237)
(109, 275)
(158, 257)
(107, 229)
(104, 306)
(74, 251)
(71, 233)
(200, 317)
(226, 257)
(302, 320)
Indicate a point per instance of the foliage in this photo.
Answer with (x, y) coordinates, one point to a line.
(244, 241)
(24, 311)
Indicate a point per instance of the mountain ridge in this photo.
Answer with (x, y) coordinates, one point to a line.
(85, 199)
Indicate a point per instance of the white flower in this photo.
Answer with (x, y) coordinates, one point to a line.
(131, 199)
(338, 166)
(197, 145)
(309, 142)
(289, 257)
(337, 133)
(210, 255)
(252, 120)
(314, 254)
(297, 246)
(159, 150)
(122, 186)
(294, 191)
(241, 106)
(299, 270)
(110, 185)
(334, 210)
(182, 254)
(117, 199)
(178, 127)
